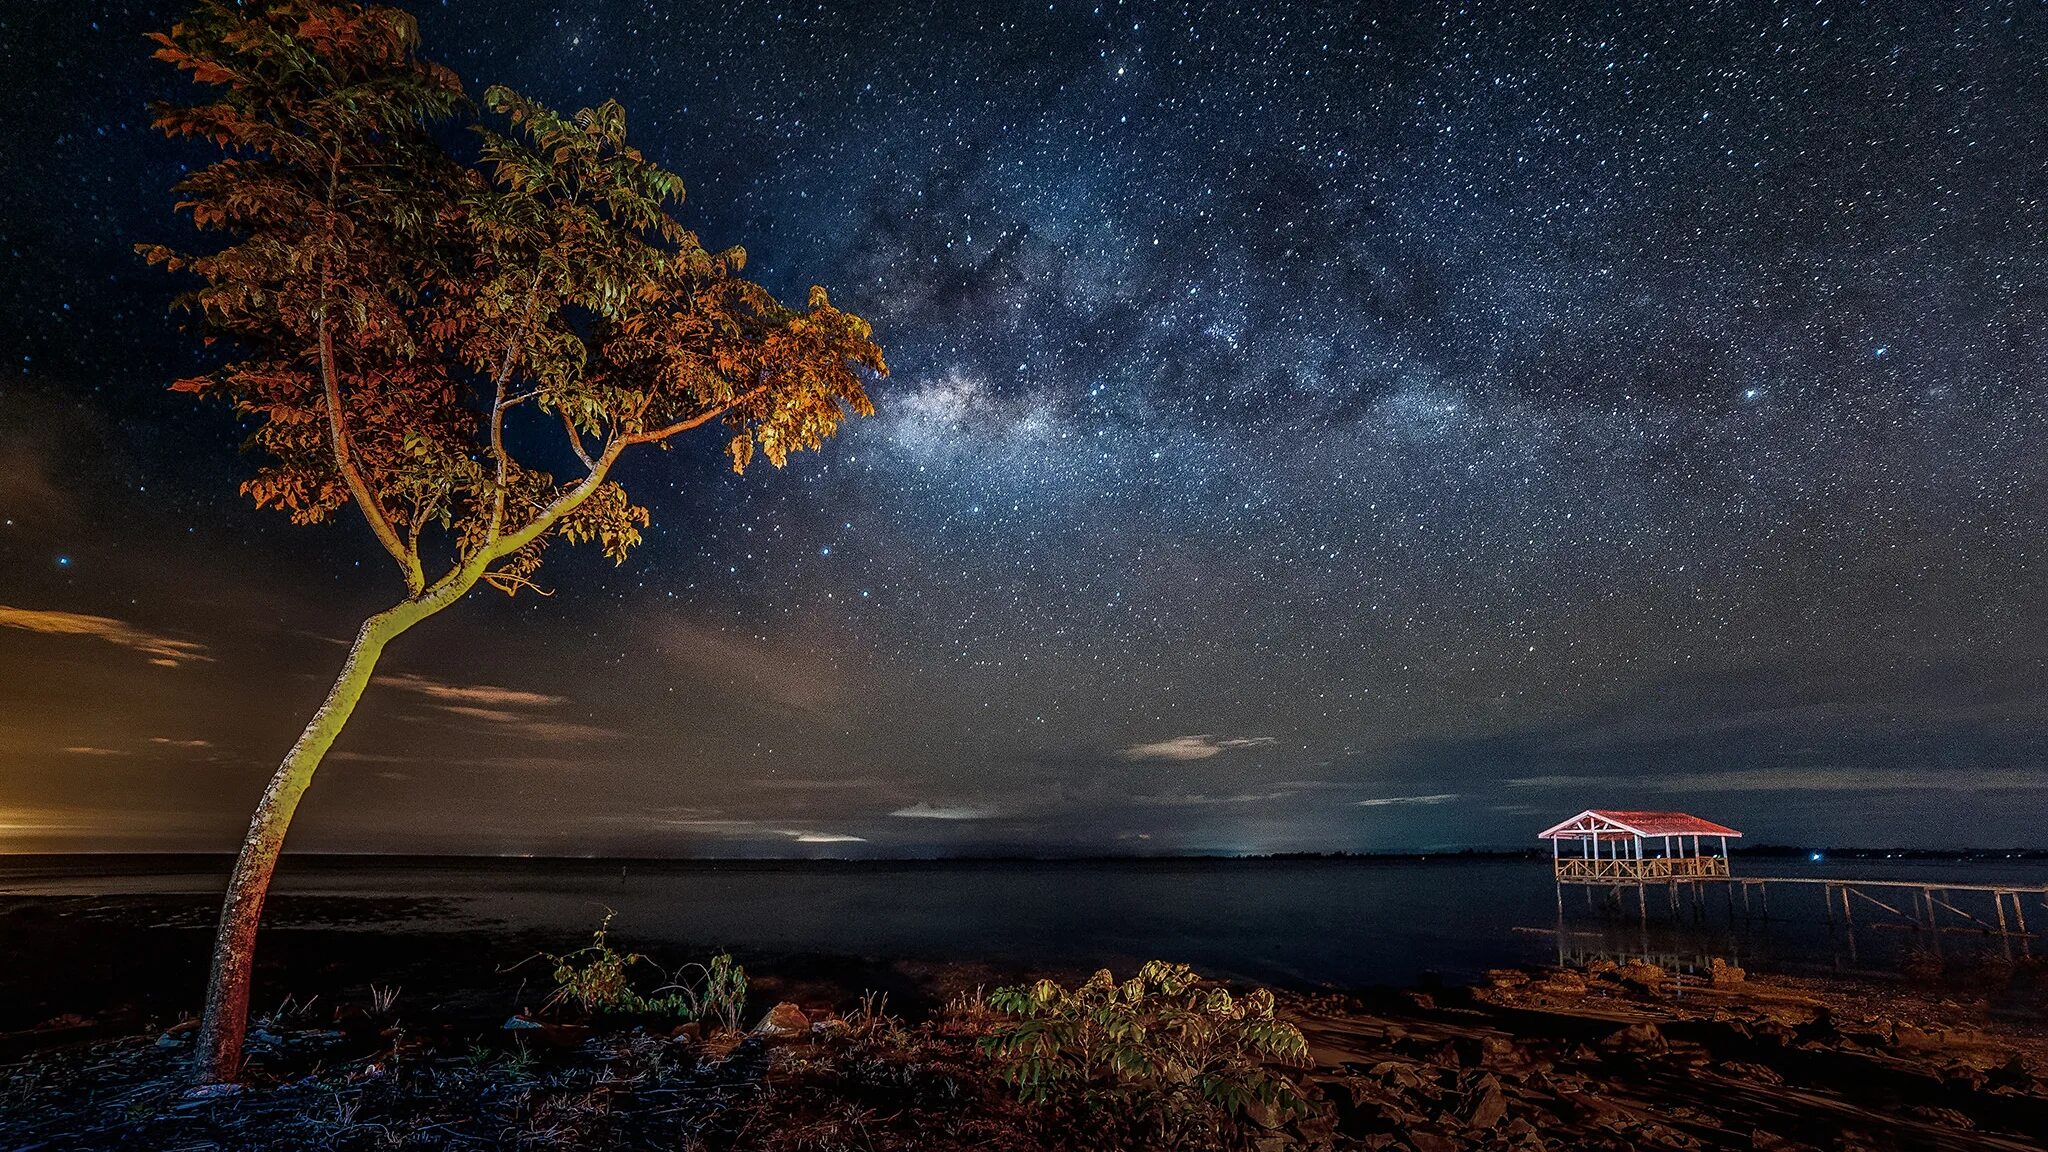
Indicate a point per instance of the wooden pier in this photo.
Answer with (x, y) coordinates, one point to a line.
(1925, 902)
(1621, 851)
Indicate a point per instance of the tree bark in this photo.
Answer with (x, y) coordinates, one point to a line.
(226, 1020)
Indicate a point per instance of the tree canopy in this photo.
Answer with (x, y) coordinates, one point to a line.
(389, 302)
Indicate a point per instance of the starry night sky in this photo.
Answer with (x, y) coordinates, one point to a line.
(1310, 430)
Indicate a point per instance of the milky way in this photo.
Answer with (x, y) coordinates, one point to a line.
(1309, 430)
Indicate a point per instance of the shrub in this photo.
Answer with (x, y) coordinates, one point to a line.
(1180, 1059)
(719, 997)
(594, 978)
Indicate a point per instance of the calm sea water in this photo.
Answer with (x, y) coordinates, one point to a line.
(1299, 923)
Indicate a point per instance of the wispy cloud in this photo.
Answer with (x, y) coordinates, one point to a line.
(1385, 801)
(1822, 779)
(514, 710)
(89, 750)
(927, 811)
(758, 673)
(475, 695)
(172, 742)
(708, 822)
(815, 784)
(1187, 799)
(1198, 747)
(374, 757)
(164, 651)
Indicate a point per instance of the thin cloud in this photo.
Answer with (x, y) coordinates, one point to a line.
(494, 715)
(172, 742)
(1803, 780)
(815, 784)
(824, 837)
(1195, 798)
(532, 727)
(1385, 801)
(88, 750)
(512, 710)
(1198, 747)
(925, 811)
(475, 695)
(163, 651)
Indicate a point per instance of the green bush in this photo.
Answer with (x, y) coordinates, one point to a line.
(1180, 1059)
(594, 978)
(718, 997)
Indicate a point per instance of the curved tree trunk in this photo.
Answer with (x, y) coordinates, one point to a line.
(219, 1054)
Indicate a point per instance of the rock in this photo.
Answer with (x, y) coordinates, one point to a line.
(785, 1021)
(1318, 1129)
(1640, 976)
(169, 1040)
(1963, 1078)
(1942, 1117)
(1563, 983)
(2014, 1076)
(1427, 1141)
(1507, 977)
(1500, 1052)
(1400, 1074)
(1720, 973)
(1486, 1105)
(1593, 1110)
(1651, 1134)
(1639, 1040)
(1751, 1073)
(520, 1024)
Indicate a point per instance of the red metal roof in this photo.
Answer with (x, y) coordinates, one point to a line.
(1636, 822)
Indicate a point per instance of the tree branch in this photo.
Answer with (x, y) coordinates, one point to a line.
(569, 501)
(576, 441)
(337, 430)
(561, 506)
(697, 421)
(498, 406)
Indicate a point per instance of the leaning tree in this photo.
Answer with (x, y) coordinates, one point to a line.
(414, 335)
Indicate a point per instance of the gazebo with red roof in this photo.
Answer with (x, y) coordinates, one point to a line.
(1619, 846)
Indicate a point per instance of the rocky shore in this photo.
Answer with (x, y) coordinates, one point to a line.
(1611, 1057)
(1630, 1056)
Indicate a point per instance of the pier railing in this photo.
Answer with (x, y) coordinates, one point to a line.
(1580, 870)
